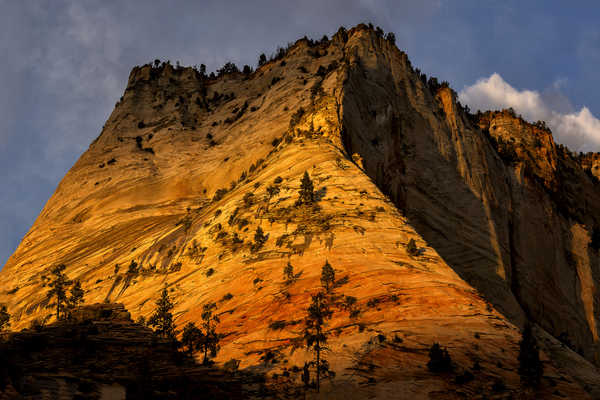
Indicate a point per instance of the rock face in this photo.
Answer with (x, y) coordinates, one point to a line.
(187, 168)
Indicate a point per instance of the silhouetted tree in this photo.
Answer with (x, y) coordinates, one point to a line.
(192, 337)
(4, 318)
(58, 291)
(247, 70)
(306, 374)
(162, 319)
(307, 190)
(262, 60)
(391, 37)
(314, 335)
(75, 299)
(439, 359)
(327, 276)
(210, 337)
(530, 366)
(228, 68)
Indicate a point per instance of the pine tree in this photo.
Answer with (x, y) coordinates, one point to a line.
(162, 319)
(411, 248)
(307, 190)
(262, 60)
(75, 299)
(210, 337)
(314, 335)
(58, 290)
(259, 239)
(530, 366)
(327, 277)
(4, 318)
(272, 191)
(192, 337)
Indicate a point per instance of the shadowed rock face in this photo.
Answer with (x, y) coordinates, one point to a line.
(183, 173)
(510, 212)
(102, 354)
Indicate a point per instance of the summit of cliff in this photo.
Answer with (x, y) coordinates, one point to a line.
(189, 166)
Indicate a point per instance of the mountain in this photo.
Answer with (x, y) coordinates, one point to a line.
(504, 223)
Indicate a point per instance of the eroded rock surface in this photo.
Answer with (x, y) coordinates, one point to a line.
(186, 169)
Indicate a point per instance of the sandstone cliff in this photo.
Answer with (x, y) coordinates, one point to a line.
(178, 182)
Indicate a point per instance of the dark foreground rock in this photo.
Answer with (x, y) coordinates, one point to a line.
(102, 354)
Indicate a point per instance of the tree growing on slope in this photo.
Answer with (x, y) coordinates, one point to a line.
(327, 277)
(4, 318)
(307, 190)
(259, 239)
(314, 334)
(59, 284)
(162, 319)
(210, 338)
(75, 299)
(192, 337)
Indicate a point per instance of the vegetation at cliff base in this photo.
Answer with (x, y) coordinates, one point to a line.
(162, 319)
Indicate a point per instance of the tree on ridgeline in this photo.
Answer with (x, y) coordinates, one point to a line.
(262, 60)
(162, 319)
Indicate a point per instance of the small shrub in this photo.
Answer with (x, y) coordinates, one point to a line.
(277, 325)
(249, 199)
(209, 272)
(228, 296)
(219, 194)
(133, 268)
(372, 303)
(411, 248)
(278, 180)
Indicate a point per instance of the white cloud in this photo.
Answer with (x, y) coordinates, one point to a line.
(580, 131)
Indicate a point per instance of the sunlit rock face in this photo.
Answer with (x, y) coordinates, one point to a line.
(187, 168)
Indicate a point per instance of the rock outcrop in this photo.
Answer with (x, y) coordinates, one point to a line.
(102, 354)
(187, 168)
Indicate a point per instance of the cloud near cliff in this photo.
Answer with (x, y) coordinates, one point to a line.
(579, 130)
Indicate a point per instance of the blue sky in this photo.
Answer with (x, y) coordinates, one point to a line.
(65, 64)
